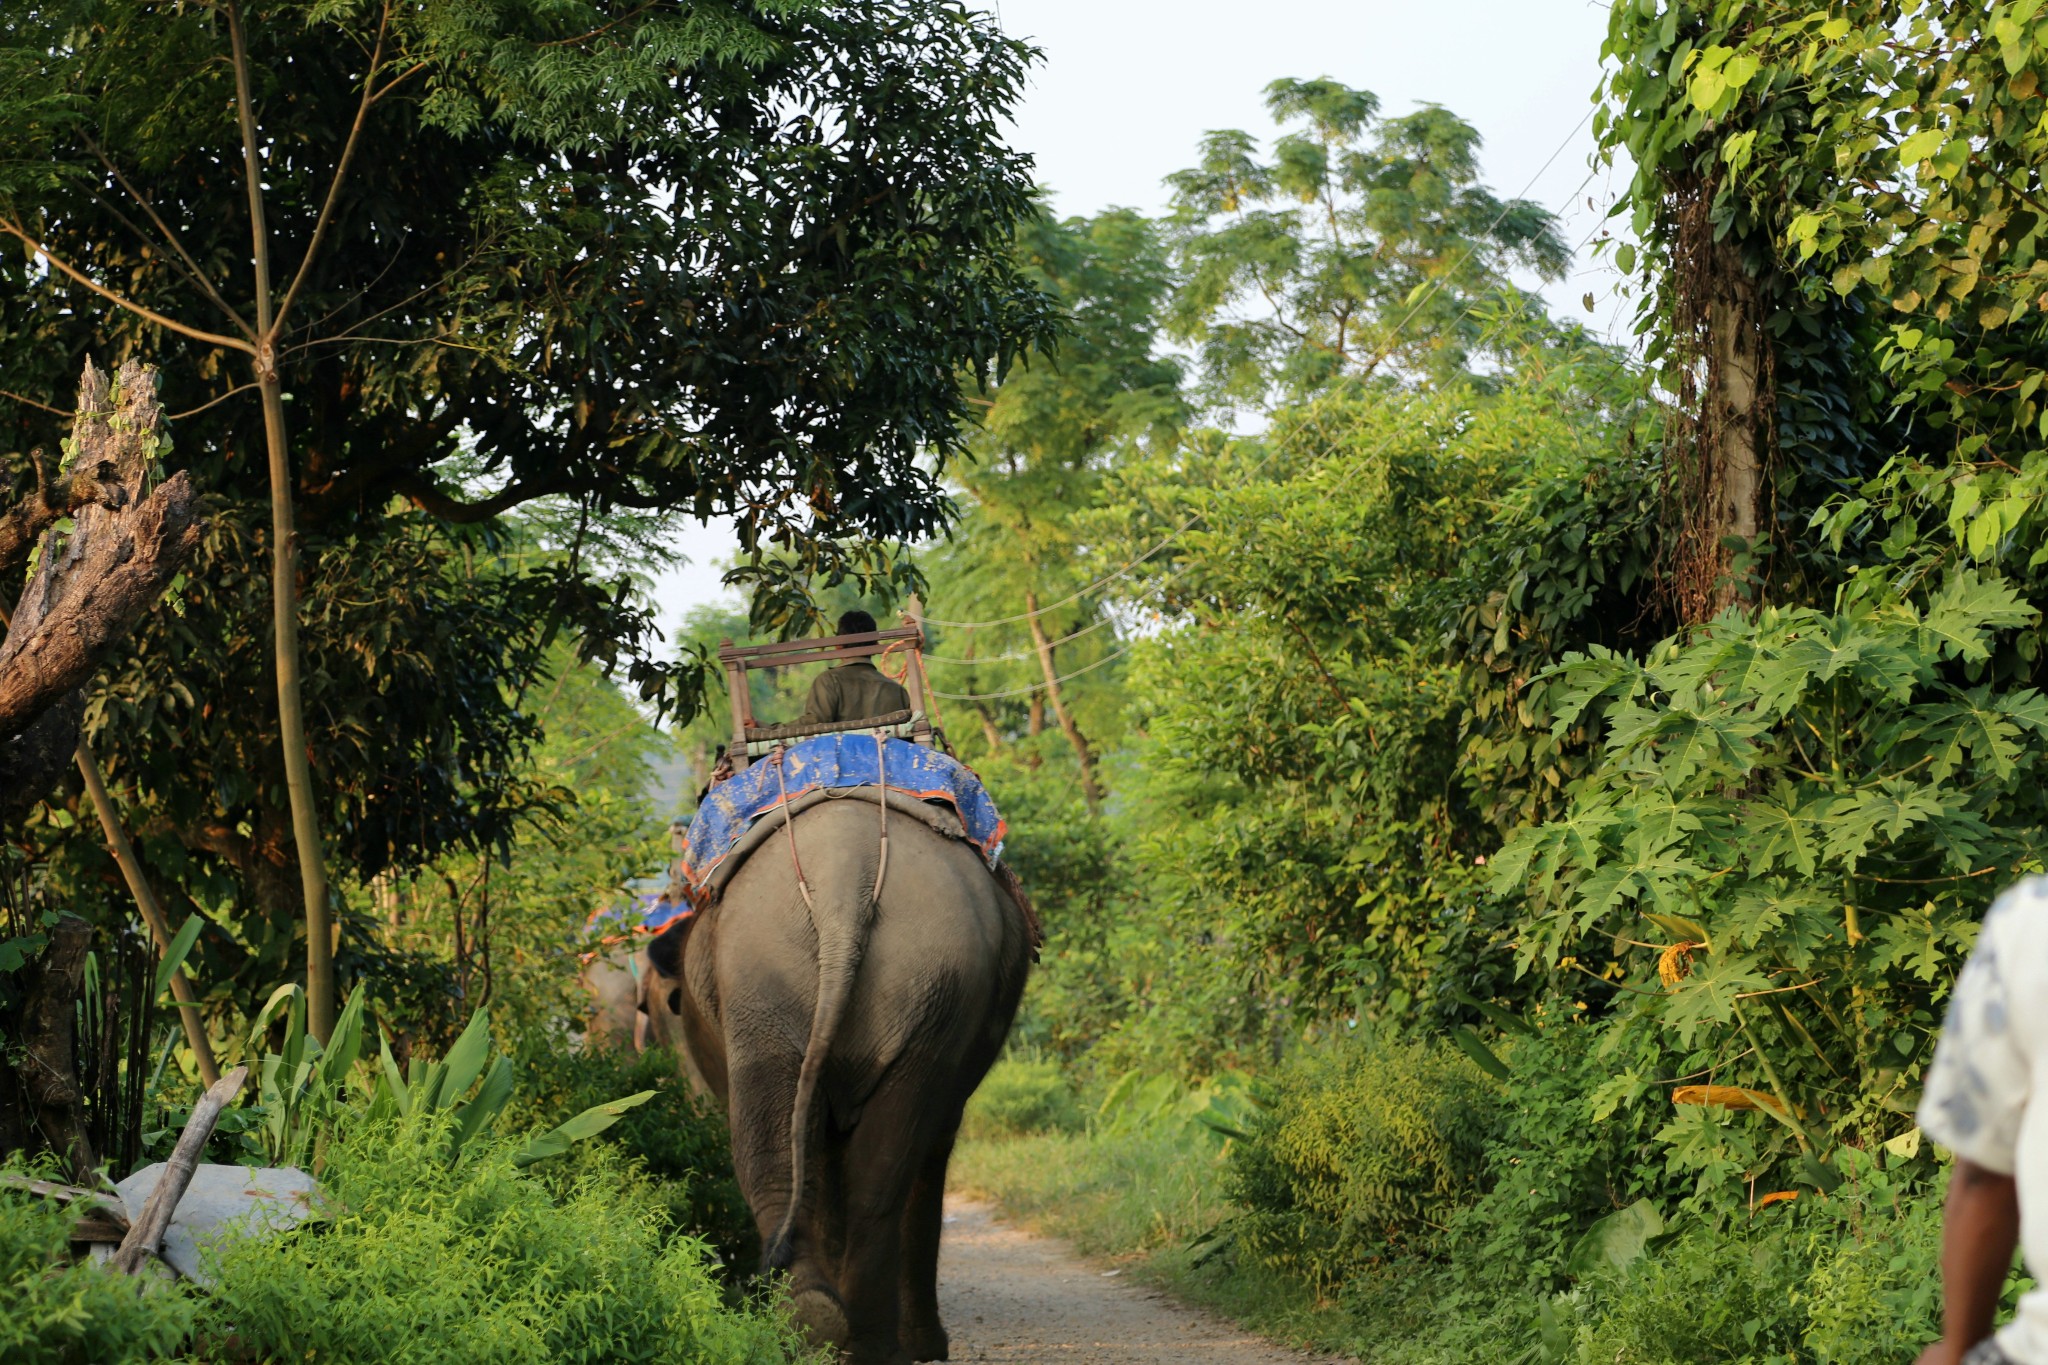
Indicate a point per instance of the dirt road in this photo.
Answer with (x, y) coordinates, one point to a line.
(1007, 1295)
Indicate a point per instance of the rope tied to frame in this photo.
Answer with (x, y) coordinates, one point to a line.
(803, 884)
(882, 802)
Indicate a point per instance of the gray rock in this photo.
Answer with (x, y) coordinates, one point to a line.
(223, 1202)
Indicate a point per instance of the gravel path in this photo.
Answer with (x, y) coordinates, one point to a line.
(1007, 1295)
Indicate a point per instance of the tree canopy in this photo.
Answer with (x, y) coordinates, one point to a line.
(1362, 242)
(721, 259)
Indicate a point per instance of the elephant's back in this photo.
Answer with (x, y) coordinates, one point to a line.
(944, 957)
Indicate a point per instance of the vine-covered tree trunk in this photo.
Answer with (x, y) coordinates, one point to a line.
(1721, 435)
(1735, 371)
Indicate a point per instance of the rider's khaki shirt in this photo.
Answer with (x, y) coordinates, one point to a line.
(853, 691)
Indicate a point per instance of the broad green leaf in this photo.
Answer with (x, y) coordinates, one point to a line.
(465, 1061)
(1615, 1242)
(174, 955)
(345, 1043)
(1681, 929)
(1967, 608)
(1783, 837)
(589, 1123)
(1921, 145)
(489, 1100)
(1469, 1043)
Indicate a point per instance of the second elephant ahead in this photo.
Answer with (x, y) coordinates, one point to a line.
(844, 1033)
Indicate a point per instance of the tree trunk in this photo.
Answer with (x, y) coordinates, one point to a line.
(88, 591)
(284, 576)
(291, 718)
(1089, 791)
(1735, 334)
(1718, 447)
(48, 1078)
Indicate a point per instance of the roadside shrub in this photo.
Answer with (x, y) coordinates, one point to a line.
(1851, 1278)
(678, 1140)
(1874, 1293)
(54, 1313)
(1021, 1096)
(1552, 1169)
(1710, 1296)
(425, 1262)
(1362, 1152)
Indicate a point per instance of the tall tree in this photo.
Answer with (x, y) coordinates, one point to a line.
(1362, 244)
(1046, 440)
(643, 255)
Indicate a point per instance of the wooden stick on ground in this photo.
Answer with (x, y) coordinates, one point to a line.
(147, 1234)
(152, 912)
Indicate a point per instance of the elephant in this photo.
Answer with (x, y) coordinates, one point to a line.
(614, 1017)
(844, 993)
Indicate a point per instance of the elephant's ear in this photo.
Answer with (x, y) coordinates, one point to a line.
(665, 949)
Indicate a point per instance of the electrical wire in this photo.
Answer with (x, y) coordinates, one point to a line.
(1434, 286)
(1126, 648)
(1029, 688)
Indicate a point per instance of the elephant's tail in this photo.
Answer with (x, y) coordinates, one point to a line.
(842, 941)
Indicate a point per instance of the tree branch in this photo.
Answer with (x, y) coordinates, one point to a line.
(64, 267)
(424, 494)
(52, 501)
(192, 269)
(348, 152)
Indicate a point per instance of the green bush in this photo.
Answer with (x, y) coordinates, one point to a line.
(1021, 1096)
(1852, 1278)
(1551, 1169)
(54, 1313)
(1363, 1151)
(678, 1140)
(1710, 1296)
(421, 1260)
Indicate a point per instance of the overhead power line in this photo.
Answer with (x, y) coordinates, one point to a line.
(1118, 653)
(1434, 286)
(1041, 685)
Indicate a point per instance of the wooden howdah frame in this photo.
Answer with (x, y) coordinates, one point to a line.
(750, 740)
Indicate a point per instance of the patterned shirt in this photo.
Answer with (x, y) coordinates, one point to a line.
(1992, 1058)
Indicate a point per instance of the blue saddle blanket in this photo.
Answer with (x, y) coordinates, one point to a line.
(836, 761)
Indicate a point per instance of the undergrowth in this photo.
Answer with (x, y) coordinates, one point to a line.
(423, 1261)
(55, 1313)
(1847, 1278)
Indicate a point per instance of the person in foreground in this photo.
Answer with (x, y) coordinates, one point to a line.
(1979, 1103)
(855, 690)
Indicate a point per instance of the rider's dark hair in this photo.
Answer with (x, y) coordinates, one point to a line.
(856, 622)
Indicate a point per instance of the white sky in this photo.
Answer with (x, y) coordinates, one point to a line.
(1126, 89)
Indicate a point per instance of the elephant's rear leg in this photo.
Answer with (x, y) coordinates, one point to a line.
(762, 1093)
(924, 1218)
(884, 1173)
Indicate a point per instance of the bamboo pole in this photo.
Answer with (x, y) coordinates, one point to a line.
(152, 911)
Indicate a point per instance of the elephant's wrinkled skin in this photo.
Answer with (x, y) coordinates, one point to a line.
(901, 1007)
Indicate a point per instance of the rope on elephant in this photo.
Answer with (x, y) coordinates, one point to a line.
(803, 885)
(882, 857)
